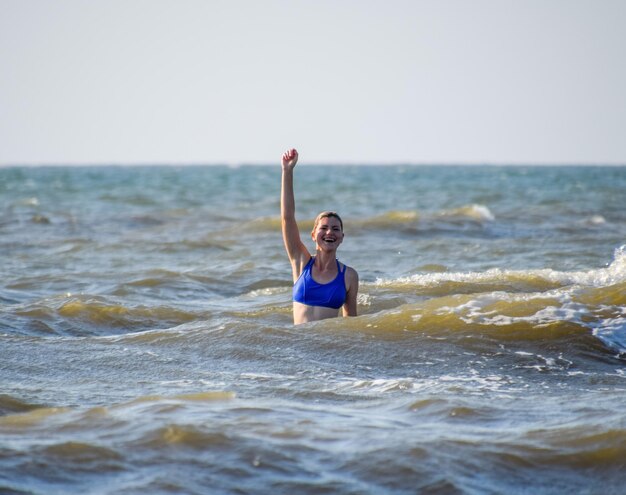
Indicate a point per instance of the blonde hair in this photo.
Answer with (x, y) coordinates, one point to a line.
(327, 214)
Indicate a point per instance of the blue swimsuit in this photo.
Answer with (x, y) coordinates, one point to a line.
(308, 291)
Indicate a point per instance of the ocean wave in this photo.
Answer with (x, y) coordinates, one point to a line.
(577, 448)
(188, 398)
(185, 436)
(543, 318)
(479, 213)
(514, 280)
(101, 313)
(419, 386)
(72, 453)
(13, 423)
(594, 220)
(12, 405)
(32, 201)
(505, 298)
(27, 415)
(474, 213)
(82, 315)
(389, 219)
(587, 308)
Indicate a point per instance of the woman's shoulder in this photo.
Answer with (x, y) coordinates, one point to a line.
(351, 273)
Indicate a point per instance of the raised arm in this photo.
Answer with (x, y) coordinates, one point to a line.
(296, 250)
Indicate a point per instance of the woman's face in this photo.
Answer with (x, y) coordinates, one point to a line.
(328, 233)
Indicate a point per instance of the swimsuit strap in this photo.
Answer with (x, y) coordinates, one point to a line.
(339, 270)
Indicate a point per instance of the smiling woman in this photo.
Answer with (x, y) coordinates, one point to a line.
(322, 285)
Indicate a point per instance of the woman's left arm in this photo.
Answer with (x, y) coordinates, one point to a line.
(352, 289)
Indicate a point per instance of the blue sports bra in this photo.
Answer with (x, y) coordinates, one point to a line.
(308, 291)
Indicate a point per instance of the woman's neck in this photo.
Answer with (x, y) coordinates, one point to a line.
(325, 259)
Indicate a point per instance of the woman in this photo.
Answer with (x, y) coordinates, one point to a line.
(322, 285)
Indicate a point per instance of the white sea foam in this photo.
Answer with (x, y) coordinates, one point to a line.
(612, 331)
(29, 202)
(476, 212)
(596, 220)
(561, 305)
(598, 277)
(481, 212)
(566, 310)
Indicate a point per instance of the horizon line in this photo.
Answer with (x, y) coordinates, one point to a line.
(314, 164)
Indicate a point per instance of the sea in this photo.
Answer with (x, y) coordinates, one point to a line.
(147, 343)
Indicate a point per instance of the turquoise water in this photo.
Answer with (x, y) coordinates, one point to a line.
(147, 344)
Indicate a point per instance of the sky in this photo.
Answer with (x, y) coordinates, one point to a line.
(344, 81)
